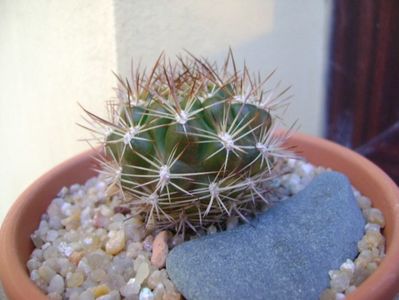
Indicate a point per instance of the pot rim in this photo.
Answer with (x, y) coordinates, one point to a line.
(383, 283)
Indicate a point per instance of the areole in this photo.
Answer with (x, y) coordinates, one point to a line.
(24, 216)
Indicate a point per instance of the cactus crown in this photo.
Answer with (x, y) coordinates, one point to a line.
(191, 144)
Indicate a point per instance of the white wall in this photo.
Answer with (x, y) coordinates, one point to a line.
(291, 36)
(54, 54)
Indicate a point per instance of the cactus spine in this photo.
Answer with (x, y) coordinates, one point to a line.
(191, 144)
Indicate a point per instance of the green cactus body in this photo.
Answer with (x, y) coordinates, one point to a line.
(188, 149)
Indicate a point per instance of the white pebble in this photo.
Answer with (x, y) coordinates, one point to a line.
(33, 264)
(372, 227)
(374, 215)
(211, 229)
(66, 209)
(86, 295)
(339, 281)
(363, 202)
(305, 169)
(348, 266)
(52, 235)
(65, 249)
(56, 285)
(146, 294)
(131, 288)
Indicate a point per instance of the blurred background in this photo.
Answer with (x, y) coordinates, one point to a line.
(56, 54)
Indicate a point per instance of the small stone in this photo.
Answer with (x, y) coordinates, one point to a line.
(56, 285)
(106, 211)
(363, 202)
(86, 295)
(154, 279)
(85, 217)
(350, 289)
(66, 209)
(348, 266)
(372, 227)
(160, 249)
(372, 239)
(134, 229)
(159, 291)
(98, 275)
(52, 235)
(322, 222)
(340, 281)
(38, 254)
(50, 252)
(116, 242)
(146, 294)
(142, 273)
(75, 279)
(374, 215)
(130, 289)
(65, 249)
(33, 264)
(72, 222)
(134, 249)
(148, 243)
(97, 260)
(114, 280)
(212, 229)
(46, 273)
(84, 267)
(100, 290)
(75, 257)
(54, 296)
(100, 221)
(113, 295)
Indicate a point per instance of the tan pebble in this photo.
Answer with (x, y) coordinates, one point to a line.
(116, 243)
(75, 279)
(75, 257)
(160, 249)
(72, 222)
(100, 290)
(171, 296)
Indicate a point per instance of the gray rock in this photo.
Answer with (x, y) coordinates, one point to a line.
(285, 253)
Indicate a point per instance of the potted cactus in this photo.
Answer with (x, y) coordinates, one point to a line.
(191, 145)
(189, 149)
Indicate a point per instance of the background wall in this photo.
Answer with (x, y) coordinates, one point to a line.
(54, 54)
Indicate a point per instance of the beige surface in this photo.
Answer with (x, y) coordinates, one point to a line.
(54, 54)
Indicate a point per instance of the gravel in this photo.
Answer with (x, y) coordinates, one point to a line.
(89, 246)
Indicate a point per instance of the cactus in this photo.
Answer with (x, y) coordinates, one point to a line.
(191, 144)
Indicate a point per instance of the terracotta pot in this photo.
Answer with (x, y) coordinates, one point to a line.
(24, 216)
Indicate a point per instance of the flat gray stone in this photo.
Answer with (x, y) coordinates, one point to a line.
(285, 253)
